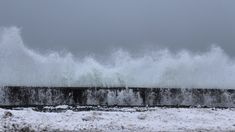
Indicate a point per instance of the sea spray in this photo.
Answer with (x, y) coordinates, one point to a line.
(20, 65)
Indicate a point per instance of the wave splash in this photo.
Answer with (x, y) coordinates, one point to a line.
(20, 65)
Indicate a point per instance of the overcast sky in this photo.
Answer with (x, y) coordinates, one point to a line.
(98, 26)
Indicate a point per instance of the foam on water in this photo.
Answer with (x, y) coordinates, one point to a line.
(20, 65)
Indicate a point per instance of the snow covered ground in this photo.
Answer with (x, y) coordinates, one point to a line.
(119, 119)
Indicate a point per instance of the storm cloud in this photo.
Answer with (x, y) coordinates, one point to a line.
(98, 27)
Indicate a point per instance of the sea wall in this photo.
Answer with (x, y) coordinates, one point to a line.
(116, 96)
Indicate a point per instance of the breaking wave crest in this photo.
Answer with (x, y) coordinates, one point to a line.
(20, 65)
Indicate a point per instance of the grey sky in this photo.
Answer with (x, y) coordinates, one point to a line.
(96, 26)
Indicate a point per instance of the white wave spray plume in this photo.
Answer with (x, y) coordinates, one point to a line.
(20, 65)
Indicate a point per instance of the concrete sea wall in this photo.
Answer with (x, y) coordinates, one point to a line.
(116, 96)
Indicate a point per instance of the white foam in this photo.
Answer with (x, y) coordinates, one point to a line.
(20, 65)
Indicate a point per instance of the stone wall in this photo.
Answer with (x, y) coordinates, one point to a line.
(116, 96)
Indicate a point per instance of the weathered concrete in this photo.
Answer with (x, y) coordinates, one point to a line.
(116, 96)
